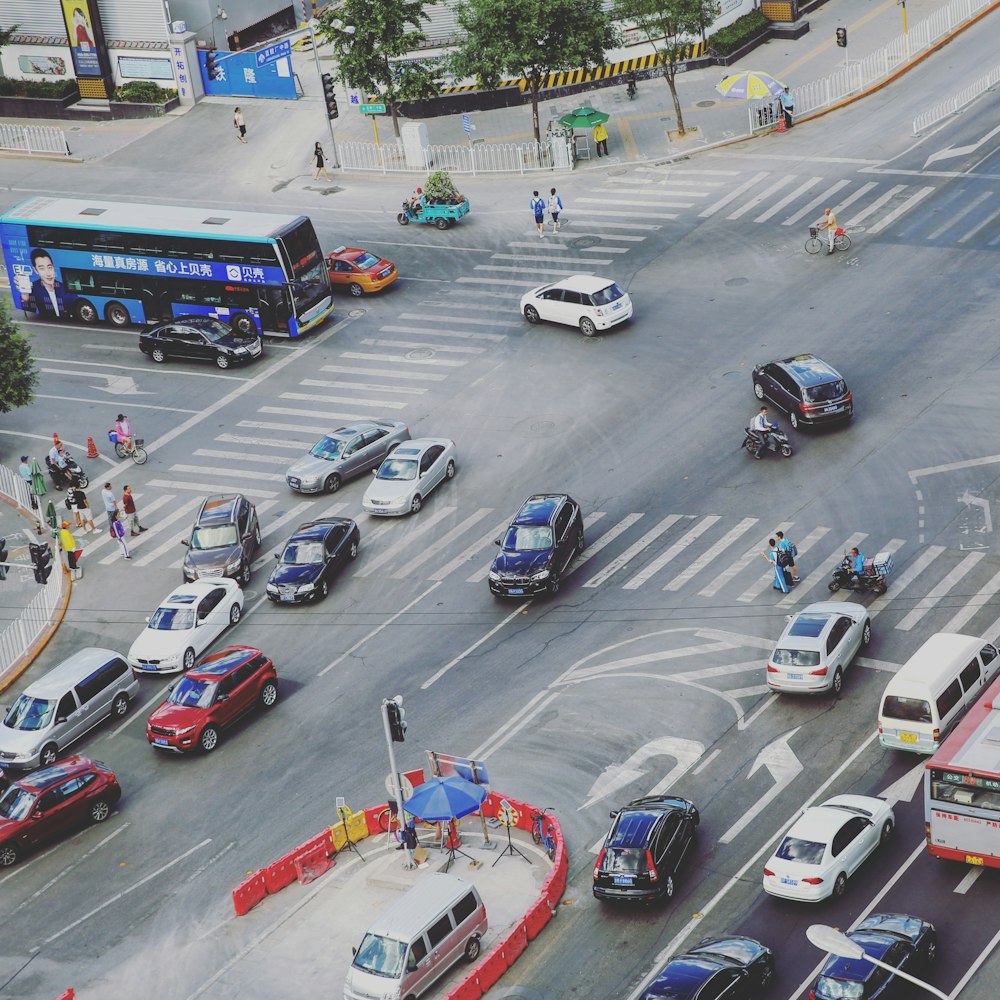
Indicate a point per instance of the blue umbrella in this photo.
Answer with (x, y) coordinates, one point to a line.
(443, 799)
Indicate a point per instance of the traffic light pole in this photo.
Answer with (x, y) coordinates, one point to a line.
(329, 121)
(393, 773)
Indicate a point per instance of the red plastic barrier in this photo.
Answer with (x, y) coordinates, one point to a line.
(537, 917)
(371, 818)
(468, 989)
(71, 993)
(322, 841)
(248, 894)
(514, 946)
(490, 804)
(280, 873)
(491, 969)
(310, 863)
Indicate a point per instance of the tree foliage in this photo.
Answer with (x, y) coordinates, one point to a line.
(530, 39)
(18, 375)
(7, 34)
(382, 32)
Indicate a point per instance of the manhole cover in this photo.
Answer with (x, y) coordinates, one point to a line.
(736, 282)
(706, 104)
(584, 241)
(732, 374)
(618, 172)
(76, 128)
(355, 313)
(543, 427)
(421, 354)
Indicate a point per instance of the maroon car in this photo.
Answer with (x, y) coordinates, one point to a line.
(218, 690)
(52, 802)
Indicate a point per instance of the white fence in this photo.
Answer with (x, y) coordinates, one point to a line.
(935, 114)
(481, 158)
(33, 139)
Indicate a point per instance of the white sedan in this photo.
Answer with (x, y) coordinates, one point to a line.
(185, 624)
(817, 647)
(403, 481)
(825, 847)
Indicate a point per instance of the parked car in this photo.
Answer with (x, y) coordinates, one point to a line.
(726, 968)
(359, 271)
(185, 624)
(216, 692)
(311, 558)
(904, 942)
(406, 478)
(345, 453)
(825, 847)
(52, 802)
(817, 646)
(581, 300)
(809, 390)
(199, 338)
(224, 538)
(538, 546)
(645, 847)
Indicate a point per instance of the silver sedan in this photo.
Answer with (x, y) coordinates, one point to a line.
(404, 480)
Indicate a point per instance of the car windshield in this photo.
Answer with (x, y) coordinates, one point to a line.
(828, 988)
(366, 260)
(221, 537)
(172, 619)
(381, 956)
(805, 852)
(192, 693)
(528, 538)
(215, 331)
(398, 468)
(795, 657)
(302, 553)
(606, 295)
(29, 713)
(16, 803)
(906, 709)
(825, 392)
(624, 859)
(329, 448)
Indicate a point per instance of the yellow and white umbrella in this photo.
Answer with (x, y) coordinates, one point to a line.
(750, 84)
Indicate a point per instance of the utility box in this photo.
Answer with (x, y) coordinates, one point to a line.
(415, 142)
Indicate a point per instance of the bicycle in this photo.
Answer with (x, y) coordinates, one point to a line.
(138, 453)
(541, 832)
(815, 243)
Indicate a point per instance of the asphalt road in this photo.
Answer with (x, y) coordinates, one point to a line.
(649, 662)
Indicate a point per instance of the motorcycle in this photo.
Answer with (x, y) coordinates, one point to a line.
(874, 579)
(774, 440)
(631, 89)
(71, 475)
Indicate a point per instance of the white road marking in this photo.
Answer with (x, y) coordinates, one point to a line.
(471, 320)
(970, 463)
(421, 346)
(271, 477)
(633, 550)
(294, 514)
(732, 196)
(433, 549)
(910, 202)
(527, 266)
(403, 390)
(241, 456)
(384, 373)
(135, 368)
(515, 724)
(184, 511)
(653, 567)
(401, 359)
(945, 587)
(813, 205)
(207, 488)
(960, 214)
(763, 196)
(788, 199)
(312, 397)
(435, 677)
(988, 221)
(878, 203)
(259, 442)
(414, 533)
(467, 553)
(822, 573)
(570, 262)
(738, 565)
(711, 553)
(422, 331)
(606, 539)
(906, 578)
(630, 202)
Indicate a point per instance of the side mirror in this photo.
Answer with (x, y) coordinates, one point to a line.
(277, 555)
(38, 814)
(354, 950)
(221, 699)
(496, 541)
(60, 720)
(148, 619)
(184, 541)
(374, 472)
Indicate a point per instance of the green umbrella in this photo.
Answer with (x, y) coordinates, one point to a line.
(51, 516)
(584, 118)
(37, 479)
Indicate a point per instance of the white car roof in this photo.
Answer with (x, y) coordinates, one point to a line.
(820, 823)
(588, 283)
(415, 447)
(182, 596)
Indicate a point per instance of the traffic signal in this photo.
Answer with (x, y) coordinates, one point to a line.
(330, 97)
(842, 37)
(41, 559)
(212, 69)
(3, 558)
(397, 727)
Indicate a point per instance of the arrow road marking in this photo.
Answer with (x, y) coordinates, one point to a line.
(118, 385)
(952, 151)
(903, 789)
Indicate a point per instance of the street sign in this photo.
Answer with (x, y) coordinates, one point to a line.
(467, 124)
(372, 109)
(273, 53)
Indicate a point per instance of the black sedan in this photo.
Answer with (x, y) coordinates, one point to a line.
(311, 558)
(726, 968)
(644, 848)
(904, 942)
(199, 338)
(808, 389)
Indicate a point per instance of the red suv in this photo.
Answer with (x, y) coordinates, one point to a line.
(215, 692)
(54, 801)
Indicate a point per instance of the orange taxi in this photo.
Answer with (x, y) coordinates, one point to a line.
(362, 272)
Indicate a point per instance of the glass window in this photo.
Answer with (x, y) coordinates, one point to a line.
(171, 619)
(375, 435)
(606, 295)
(795, 657)
(418, 952)
(210, 601)
(825, 392)
(67, 706)
(221, 537)
(971, 676)
(16, 803)
(948, 699)
(193, 693)
(528, 538)
(330, 448)
(30, 714)
(988, 653)
(807, 852)
(464, 908)
(397, 468)
(380, 956)
(906, 709)
(366, 260)
(440, 930)
(307, 553)
(574, 298)
(828, 988)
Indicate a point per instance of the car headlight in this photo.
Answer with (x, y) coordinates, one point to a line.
(542, 574)
(310, 480)
(271, 588)
(494, 576)
(172, 658)
(234, 564)
(183, 732)
(304, 588)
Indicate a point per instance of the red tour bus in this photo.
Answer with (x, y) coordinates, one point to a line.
(962, 788)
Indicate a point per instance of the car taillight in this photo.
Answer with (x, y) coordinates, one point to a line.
(848, 397)
(937, 735)
(767, 871)
(812, 995)
(771, 670)
(818, 673)
(650, 867)
(812, 881)
(880, 729)
(600, 862)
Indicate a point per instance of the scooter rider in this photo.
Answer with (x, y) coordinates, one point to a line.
(760, 427)
(857, 564)
(630, 85)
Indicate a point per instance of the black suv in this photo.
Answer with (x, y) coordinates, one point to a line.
(223, 540)
(201, 338)
(809, 390)
(542, 539)
(644, 848)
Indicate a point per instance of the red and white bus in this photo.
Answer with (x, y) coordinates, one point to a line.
(962, 788)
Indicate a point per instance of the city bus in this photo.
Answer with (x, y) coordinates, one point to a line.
(962, 788)
(124, 264)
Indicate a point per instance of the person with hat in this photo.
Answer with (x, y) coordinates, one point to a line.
(123, 432)
(72, 550)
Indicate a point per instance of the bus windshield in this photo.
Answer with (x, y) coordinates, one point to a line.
(310, 282)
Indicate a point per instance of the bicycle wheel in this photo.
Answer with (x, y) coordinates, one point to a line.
(536, 829)
(119, 449)
(383, 820)
(814, 244)
(139, 455)
(550, 847)
(842, 242)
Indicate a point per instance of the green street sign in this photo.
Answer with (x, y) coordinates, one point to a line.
(372, 109)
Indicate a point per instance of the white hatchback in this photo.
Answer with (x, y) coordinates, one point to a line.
(404, 480)
(582, 300)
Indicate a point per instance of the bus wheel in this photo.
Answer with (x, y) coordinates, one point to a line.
(85, 312)
(118, 315)
(244, 324)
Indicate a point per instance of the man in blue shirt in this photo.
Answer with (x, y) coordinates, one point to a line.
(787, 107)
(857, 564)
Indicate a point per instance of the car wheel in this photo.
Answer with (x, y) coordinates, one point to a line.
(235, 613)
(840, 885)
(269, 694)
(838, 681)
(881, 589)
(416, 503)
(244, 576)
(8, 855)
(793, 419)
(758, 390)
(883, 837)
(449, 472)
(209, 739)
(188, 660)
(100, 811)
(554, 584)
(158, 354)
(222, 361)
(356, 290)
(472, 948)
(244, 325)
(587, 327)
(120, 705)
(332, 483)
(49, 755)
(324, 589)
(353, 550)
(668, 887)
(118, 315)
(85, 312)
(866, 635)
(531, 314)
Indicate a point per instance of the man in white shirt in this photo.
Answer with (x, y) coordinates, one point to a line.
(760, 427)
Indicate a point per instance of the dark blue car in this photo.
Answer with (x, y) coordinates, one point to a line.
(311, 558)
(725, 968)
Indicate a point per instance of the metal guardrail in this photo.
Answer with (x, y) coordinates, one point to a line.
(943, 109)
(34, 139)
(480, 158)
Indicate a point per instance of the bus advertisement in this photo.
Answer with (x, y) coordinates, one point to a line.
(134, 264)
(962, 788)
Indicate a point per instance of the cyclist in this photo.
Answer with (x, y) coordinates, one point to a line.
(829, 223)
(123, 428)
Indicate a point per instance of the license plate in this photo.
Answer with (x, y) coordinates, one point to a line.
(515, 590)
(795, 677)
(617, 305)
(907, 737)
(789, 881)
(288, 597)
(4, 765)
(147, 666)
(294, 482)
(623, 880)
(973, 859)
(830, 409)
(160, 741)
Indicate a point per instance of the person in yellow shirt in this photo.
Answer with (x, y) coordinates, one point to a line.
(829, 224)
(601, 138)
(72, 550)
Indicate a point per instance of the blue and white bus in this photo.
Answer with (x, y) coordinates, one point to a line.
(125, 264)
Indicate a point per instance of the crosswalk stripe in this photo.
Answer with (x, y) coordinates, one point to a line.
(568, 261)
(811, 206)
(989, 220)
(737, 565)
(601, 224)
(820, 576)
(241, 456)
(207, 489)
(402, 390)
(906, 578)
(625, 214)
(575, 234)
(474, 321)
(259, 442)
(993, 242)
(416, 345)
(104, 538)
(293, 514)
(415, 532)
(731, 196)
(633, 550)
(290, 411)
(263, 425)
(604, 250)
(271, 477)
(468, 553)
(844, 204)
(877, 204)
(423, 331)
(313, 397)
(960, 214)
(711, 553)
(615, 202)
(910, 202)
(526, 267)
(401, 359)
(671, 553)
(156, 534)
(973, 605)
(925, 604)
(605, 540)
(507, 282)
(763, 196)
(442, 543)
(383, 373)
(788, 199)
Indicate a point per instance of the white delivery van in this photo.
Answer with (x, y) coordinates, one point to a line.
(440, 920)
(923, 702)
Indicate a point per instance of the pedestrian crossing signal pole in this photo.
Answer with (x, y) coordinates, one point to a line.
(906, 36)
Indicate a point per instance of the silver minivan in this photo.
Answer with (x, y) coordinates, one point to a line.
(440, 920)
(60, 707)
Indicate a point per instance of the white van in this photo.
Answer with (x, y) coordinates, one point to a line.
(440, 920)
(923, 702)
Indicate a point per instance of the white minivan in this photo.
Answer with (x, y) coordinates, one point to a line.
(440, 920)
(924, 701)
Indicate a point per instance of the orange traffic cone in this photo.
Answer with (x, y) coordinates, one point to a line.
(92, 449)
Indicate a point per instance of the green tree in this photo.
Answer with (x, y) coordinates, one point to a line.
(366, 37)
(7, 34)
(531, 39)
(669, 26)
(18, 375)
